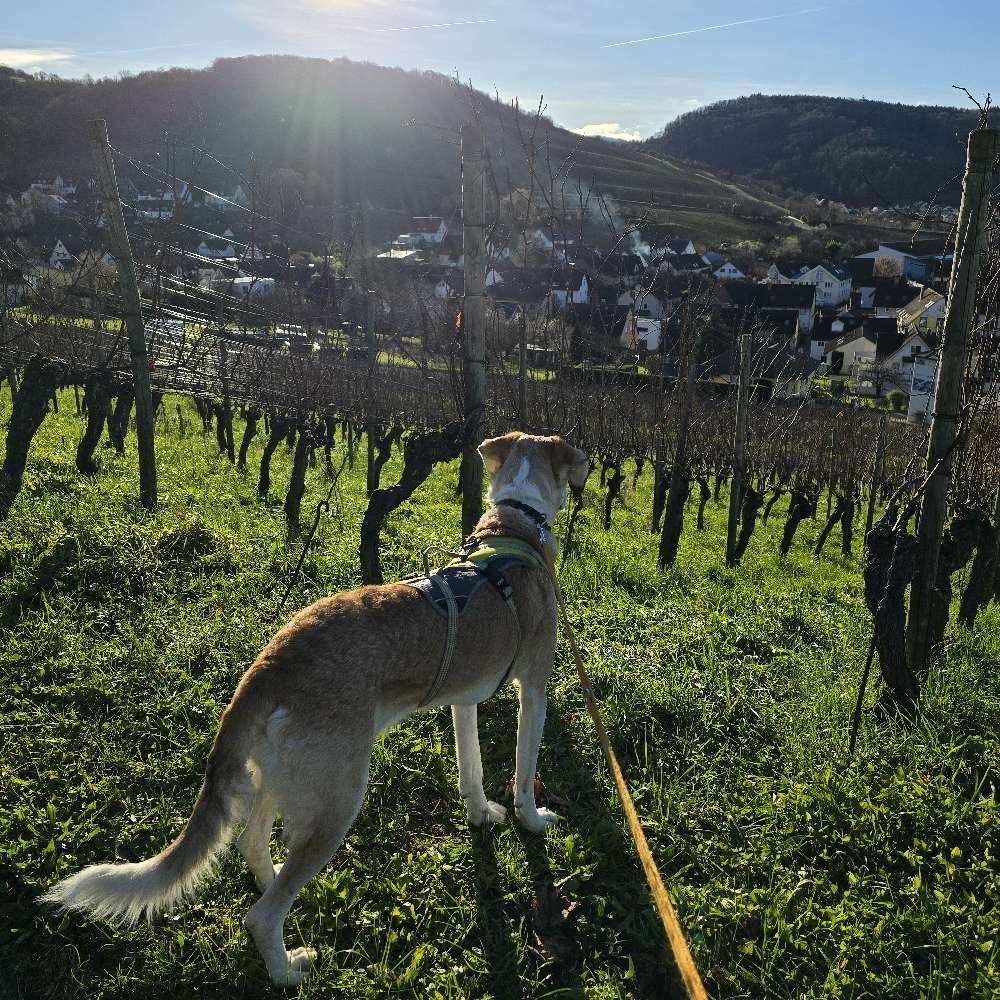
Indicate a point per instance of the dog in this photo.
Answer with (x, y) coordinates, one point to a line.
(297, 737)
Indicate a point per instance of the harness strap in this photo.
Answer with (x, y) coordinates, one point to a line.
(506, 591)
(449, 645)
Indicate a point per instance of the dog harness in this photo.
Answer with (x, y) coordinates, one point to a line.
(451, 588)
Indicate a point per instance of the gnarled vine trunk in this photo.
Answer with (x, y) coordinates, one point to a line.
(422, 450)
(39, 381)
(97, 402)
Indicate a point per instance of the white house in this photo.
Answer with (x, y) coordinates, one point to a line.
(728, 272)
(62, 257)
(216, 250)
(645, 303)
(828, 331)
(846, 354)
(493, 277)
(901, 359)
(574, 290)
(429, 228)
(69, 253)
(641, 333)
(246, 286)
(832, 281)
(676, 247)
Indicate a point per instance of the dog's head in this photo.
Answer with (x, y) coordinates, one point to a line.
(534, 470)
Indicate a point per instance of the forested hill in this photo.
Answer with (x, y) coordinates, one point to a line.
(860, 152)
(337, 124)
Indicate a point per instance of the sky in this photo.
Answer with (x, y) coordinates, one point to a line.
(601, 67)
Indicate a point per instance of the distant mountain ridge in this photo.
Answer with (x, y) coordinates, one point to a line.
(354, 134)
(860, 152)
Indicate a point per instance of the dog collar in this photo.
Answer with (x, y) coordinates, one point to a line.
(541, 522)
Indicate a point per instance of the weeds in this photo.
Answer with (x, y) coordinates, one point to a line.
(726, 693)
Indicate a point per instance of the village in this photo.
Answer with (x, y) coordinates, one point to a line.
(861, 329)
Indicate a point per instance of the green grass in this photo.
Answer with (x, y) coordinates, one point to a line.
(796, 873)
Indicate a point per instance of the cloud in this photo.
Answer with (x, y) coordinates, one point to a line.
(609, 130)
(33, 58)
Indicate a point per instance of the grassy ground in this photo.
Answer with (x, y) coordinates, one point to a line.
(796, 872)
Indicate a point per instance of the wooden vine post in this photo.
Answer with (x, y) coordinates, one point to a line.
(876, 483)
(473, 322)
(739, 448)
(970, 235)
(122, 251)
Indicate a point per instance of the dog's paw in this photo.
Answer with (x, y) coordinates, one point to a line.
(493, 814)
(300, 963)
(537, 821)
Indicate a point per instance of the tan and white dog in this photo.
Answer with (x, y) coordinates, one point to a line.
(297, 737)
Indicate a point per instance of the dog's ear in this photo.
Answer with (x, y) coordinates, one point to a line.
(495, 451)
(569, 462)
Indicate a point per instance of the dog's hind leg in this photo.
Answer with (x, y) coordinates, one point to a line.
(254, 843)
(530, 722)
(470, 768)
(316, 835)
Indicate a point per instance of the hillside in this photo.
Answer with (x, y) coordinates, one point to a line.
(860, 152)
(337, 124)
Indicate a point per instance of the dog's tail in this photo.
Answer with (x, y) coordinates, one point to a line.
(125, 893)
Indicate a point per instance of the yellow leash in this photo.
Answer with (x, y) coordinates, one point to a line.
(693, 987)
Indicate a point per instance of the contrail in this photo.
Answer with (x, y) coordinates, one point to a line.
(716, 27)
(446, 24)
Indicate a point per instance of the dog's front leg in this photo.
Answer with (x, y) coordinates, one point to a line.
(530, 722)
(470, 768)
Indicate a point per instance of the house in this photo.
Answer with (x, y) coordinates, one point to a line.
(779, 372)
(727, 271)
(920, 258)
(640, 333)
(216, 249)
(748, 297)
(891, 296)
(674, 247)
(925, 313)
(572, 288)
(548, 238)
(684, 263)
(863, 278)
(623, 270)
(829, 328)
(65, 254)
(832, 281)
(429, 228)
(845, 354)
(899, 359)
(646, 302)
(49, 196)
(246, 286)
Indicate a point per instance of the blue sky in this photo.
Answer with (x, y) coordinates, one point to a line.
(570, 52)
